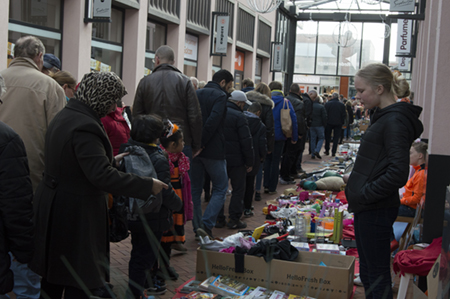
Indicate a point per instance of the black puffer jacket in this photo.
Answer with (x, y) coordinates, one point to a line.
(238, 139)
(266, 115)
(382, 164)
(168, 93)
(308, 104)
(299, 108)
(16, 209)
(162, 220)
(258, 131)
(319, 118)
(213, 104)
(335, 112)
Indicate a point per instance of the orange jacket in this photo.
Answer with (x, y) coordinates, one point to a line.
(415, 188)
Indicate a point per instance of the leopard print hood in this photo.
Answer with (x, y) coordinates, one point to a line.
(100, 90)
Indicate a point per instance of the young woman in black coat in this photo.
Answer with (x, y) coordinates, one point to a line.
(381, 168)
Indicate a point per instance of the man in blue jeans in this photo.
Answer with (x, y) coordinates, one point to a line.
(318, 123)
(213, 104)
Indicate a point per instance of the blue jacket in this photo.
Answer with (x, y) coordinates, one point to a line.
(278, 99)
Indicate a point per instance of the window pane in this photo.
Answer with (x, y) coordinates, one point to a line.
(156, 36)
(38, 12)
(327, 49)
(305, 47)
(110, 31)
(217, 61)
(108, 58)
(190, 70)
(149, 65)
(393, 60)
(258, 66)
(373, 43)
(349, 56)
(52, 46)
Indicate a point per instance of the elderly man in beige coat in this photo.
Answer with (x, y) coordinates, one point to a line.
(31, 101)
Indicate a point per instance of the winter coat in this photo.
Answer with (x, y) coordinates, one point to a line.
(31, 101)
(319, 115)
(278, 99)
(266, 115)
(117, 129)
(16, 209)
(350, 114)
(258, 131)
(335, 112)
(308, 104)
(415, 188)
(238, 139)
(213, 104)
(299, 108)
(170, 94)
(247, 89)
(162, 220)
(70, 204)
(382, 163)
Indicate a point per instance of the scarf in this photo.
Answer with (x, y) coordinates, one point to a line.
(183, 162)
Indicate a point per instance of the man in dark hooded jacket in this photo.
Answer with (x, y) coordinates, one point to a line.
(240, 158)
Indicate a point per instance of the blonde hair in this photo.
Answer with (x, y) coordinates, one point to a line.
(264, 89)
(379, 74)
(421, 147)
(64, 77)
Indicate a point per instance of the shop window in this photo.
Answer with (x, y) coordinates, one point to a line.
(373, 44)
(149, 63)
(190, 55)
(111, 32)
(327, 49)
(51, 40)
(156, 36)
(264, 36)
(198, 15)
(37, 12)
(217, 61)
(190, 68)
(246, 28)
(258, 70)
(305, 47)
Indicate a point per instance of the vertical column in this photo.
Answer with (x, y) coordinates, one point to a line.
(77, 35)
(135, 31)
(204, 61)
(176, 36)
(4, 15)
(249, 66)
(228, 61)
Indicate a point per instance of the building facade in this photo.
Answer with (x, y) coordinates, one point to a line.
(127, 44)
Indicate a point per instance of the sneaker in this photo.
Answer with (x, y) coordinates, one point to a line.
(102, 292)
(156, 290)
(272, 192)
(300, 170)
(286, 182)
(204, 232)
(266, 190)
(220, 223)
(248, 213)
(333, 155)
(159, 281)
(258, 195)
(357, 281)
(326, 153)
(317, 155)
(236, 224)
(178, 247)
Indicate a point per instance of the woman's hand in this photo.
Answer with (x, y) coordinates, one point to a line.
(119, 158)
(158, 186)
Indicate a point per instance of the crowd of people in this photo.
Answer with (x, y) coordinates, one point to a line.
(64, 146)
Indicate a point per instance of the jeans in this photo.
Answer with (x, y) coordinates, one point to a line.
(237, 177)
(259, 178)
(27, 284)
(406, 211)
(272, 166)
(316, 141)
(372, 232)
(217, 170)
(144, 254)
(336, 136)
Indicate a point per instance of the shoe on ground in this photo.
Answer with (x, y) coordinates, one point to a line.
(178, 247)
(300, 170)
(236, 224)
(286, 182)
(317, 155)
(272, 192)
(102, 292)
(357, 281)
(326, 153)
(313, 157)
(333, 155)
(266, 190)
(196, 238)
(220, 223)
(159, 281)
(156, 290)
(204, 232)
(258, 195)
(252, 208)
(248, 213)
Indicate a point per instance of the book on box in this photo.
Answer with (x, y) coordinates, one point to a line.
(227, 286)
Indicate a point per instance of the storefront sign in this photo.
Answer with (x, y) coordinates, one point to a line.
(190, 47)
(403, 63)
(402, 5)
(305, 79)
(278, 58)
(404, 34)
(102, 9)
(222, 34)
(239, 61)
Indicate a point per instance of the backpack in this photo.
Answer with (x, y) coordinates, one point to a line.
(285, 118)
(126, 208)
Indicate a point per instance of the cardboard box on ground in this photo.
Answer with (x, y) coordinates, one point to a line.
(304, 276)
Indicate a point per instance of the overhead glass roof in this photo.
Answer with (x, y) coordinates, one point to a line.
(352, 6)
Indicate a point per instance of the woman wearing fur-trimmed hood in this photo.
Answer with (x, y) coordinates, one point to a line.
(266, 115)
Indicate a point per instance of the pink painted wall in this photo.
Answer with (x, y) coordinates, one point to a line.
(134, 49)
(175, 36)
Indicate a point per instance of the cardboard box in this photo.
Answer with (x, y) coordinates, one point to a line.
(304, 276)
